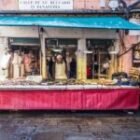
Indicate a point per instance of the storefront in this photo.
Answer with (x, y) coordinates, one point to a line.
(64, 63)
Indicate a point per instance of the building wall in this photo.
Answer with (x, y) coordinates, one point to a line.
(56, 32)
(78, 4)
(8, 4)
(128, 2)
(126, 60)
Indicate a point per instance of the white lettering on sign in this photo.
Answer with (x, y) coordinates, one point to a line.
(45, 5)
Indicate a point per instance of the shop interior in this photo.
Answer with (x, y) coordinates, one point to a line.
(25, 58)
(61, 58)
(98, 58)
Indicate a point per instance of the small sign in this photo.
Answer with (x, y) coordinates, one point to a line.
(45, 5)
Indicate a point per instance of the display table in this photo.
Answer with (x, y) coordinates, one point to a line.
(68, 98)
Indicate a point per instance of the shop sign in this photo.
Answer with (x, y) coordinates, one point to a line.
(46, 5)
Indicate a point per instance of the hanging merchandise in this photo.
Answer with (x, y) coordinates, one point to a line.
(17, 61)
(68, 61)
(4, 63)
(27, 62)
(60, 68)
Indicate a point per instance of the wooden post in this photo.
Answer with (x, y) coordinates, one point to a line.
(40, 61)
(112, 66)
(43, 58)
(99, 65)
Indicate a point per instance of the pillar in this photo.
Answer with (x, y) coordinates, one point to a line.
(81, 60)
(113, 63)
(43, 57)
(3, 46)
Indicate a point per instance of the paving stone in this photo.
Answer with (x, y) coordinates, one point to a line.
(68, 127)
(6, 136)
(48, 136)
(79, 138)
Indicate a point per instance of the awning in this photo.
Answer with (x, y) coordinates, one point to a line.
(69, 22)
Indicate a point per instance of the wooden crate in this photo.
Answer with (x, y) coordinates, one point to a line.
(134, 73)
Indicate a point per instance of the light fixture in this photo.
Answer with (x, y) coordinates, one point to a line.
(102, 3)
(113, 4)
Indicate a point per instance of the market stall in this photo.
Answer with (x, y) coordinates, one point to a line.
(68, 98)
(66, 64)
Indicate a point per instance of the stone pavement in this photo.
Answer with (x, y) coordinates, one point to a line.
(69, 126)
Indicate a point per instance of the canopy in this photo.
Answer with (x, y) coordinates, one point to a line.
(69, 22)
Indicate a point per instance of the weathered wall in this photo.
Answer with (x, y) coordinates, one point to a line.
(78, 4)
(126, 59)
(8, 4)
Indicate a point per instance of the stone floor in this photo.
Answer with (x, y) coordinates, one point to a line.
(69, 126)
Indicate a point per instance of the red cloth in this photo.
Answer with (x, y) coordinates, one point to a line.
(95, 99)
(89, 72)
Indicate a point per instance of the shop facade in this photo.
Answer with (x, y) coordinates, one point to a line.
(26, 38)
(66, 62)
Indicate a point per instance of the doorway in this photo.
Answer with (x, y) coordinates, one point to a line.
(98, 58)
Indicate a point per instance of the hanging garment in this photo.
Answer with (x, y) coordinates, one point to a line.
(27, 63)
(73, 68)
(60, 71)
(68, 61)
(89, 72)
(22, 71)
(21, 64)
(4, 63)
(50, 66)
(17, 61)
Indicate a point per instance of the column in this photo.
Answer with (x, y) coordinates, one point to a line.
(81, 60)
(3, 46)
(113, 62)
(43, 57)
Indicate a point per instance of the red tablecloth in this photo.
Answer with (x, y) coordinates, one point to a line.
(95, 99)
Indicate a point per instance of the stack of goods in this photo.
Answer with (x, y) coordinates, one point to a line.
(79, 82)
(90, 82)
(71, 82)
(106, 82)
(17, 82)
(122, 79)
(134, 73)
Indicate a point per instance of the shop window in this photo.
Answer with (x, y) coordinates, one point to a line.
(136, 56)
(61, 58)
(25, 57)
(98, 58)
